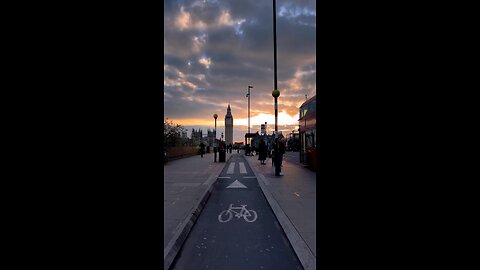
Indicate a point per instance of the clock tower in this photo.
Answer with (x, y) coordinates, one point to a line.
(229, 126)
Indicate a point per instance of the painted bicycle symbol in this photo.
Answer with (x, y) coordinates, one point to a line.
(227, 215)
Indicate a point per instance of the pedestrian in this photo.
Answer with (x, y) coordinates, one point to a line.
(269, 149)
(272, 153)
(279, 150)
(202, 149)
(262, 149)
(222, 146)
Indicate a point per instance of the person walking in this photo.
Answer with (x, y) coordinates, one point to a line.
(262, 149)
(274, 155)
(272, 152)
(202, 149)
(269, 149)
(281, 151)
(278, 150)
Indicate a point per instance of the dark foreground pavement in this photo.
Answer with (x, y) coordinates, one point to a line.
(187, 185)
(292, 198)
(221, 239)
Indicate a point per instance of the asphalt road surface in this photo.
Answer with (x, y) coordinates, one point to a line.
(236, 229)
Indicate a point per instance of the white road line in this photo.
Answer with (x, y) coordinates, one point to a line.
(262, 177)
(224, 177)
(242, 168)
(231, 167)
(249, 177)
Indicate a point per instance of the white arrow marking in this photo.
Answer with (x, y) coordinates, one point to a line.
(237, 184)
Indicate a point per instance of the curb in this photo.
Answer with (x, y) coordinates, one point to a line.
(175, 244)
(303, 252)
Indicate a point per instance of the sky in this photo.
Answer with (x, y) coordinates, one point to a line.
(214, 49)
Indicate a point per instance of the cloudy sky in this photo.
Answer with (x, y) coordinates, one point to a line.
(214, 49)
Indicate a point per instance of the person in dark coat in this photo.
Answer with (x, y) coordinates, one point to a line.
(278, 151)
(281, 151)
(262, 151)
(202, 149)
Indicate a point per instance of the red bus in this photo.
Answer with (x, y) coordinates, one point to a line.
(307, 127)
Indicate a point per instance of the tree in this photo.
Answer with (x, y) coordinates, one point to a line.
(172, 134)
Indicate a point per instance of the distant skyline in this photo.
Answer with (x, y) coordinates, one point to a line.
(215, 49)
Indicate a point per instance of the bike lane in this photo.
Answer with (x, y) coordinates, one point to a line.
(222, 240)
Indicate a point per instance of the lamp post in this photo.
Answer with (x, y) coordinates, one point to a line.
(249, 87)
(215, 140)
(275, 92)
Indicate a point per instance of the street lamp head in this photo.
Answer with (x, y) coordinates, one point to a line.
(275, 93)
(250, 86)
(215, 116)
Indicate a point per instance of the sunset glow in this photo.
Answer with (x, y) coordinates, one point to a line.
(215, 49)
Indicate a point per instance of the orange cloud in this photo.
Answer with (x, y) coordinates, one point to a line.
(183, 20)
(205, 61)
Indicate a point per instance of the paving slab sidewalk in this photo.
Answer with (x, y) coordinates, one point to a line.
(293, 200)
(187, 183)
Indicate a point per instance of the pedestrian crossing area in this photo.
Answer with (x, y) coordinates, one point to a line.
(241, 165)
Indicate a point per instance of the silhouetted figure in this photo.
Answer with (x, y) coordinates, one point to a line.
(202, 149)
(279, 150)
(262, 150)
(269, 150)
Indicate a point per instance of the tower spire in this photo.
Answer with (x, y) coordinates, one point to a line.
(229, 125)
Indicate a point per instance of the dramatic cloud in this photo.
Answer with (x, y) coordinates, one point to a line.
(215, 49)
(205, 61)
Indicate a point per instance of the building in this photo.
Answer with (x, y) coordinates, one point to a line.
(196, 136)
(211, 137)
(229, 126)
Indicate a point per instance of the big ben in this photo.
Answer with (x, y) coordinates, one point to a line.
(229, 126)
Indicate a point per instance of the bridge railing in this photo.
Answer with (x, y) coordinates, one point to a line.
(182, 152)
